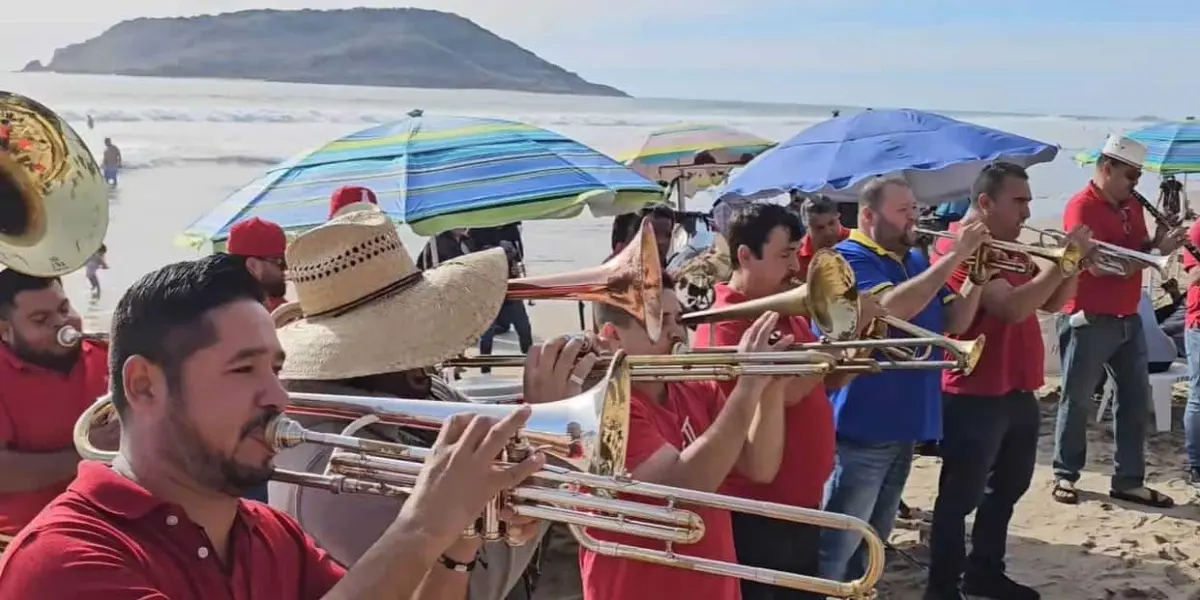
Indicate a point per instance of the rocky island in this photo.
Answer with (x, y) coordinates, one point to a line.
(403, 47)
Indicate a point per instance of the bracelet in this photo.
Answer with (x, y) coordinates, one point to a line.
(458, 567)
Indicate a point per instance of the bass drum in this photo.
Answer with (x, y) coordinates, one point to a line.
(698, 261)
(53, 197)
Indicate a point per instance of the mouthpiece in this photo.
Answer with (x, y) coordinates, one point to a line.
(69, 336)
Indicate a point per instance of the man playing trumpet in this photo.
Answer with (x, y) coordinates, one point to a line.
(194, 383)
(880, 417)
(44, 387)
(990, 415)
(351, 340)
(689, 435)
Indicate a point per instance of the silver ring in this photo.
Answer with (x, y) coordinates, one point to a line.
(576, 379)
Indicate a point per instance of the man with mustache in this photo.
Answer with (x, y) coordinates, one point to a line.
(880, 417)
(44, 387)
(823, 229)
(357, 350)
(261, 245)
(193, 372)
(689, 435)
(1100, 326)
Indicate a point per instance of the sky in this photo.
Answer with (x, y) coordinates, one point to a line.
(1093, 57)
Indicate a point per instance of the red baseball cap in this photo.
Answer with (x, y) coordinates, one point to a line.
(256, 238)
(351, 194)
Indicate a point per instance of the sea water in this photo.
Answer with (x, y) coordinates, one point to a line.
(189, 143)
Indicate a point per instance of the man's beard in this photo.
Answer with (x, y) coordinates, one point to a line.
(275, 289)
(187, 451)
(62, 362)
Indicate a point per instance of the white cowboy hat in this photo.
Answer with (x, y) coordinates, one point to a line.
(1126, 150)
(367, 309)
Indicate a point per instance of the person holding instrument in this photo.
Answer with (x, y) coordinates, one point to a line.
(880, 417)
(44, 387)
(362, 350)
(991, 416)
(1100, 326)
(689, 435)
(763, 242)
(194, 384)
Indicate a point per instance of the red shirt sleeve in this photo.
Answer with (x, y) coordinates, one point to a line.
(1190, 261)
(1074, 215)
(74, 564)
(320, 571)
(644, 438)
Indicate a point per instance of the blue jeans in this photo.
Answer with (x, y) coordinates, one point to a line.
(867, 482)
(1085, 350)
(1191, 414)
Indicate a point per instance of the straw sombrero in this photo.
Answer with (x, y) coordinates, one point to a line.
(366, 309)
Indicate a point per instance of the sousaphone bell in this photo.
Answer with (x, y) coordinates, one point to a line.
(53, 197)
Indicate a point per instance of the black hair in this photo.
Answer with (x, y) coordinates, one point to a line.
(163, 317)
(992, 178)
(13, 283)
(607, 313)
(752, 225)
(626, 225)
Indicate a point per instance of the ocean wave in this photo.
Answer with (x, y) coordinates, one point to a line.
(154, 162)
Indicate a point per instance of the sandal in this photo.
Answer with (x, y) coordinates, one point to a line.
(1151, 497)
(1064, 492)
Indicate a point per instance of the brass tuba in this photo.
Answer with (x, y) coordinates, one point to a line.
(587, 487)
(53, 198)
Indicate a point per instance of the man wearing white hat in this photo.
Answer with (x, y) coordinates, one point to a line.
(369, 323)
(1100, 326)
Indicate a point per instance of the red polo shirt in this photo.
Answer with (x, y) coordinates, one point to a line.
(809, 445)
(274, 302)
(1013, 353)
(689, 411)
(107, 538)
(805, 253)
(1123, 225)
(38, 410)
(1192, 315)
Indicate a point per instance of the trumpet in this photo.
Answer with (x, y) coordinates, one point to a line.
(828, 297)
(1110, 258)
(68, 337)
(585, 436)
(631, 280)
(1015, 257)
(53, 199)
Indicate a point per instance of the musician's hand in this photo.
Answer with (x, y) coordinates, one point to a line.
(758, 339)
(1173, 240)
(557, 369)
(521, 530)
(461, 475)
(970, 237)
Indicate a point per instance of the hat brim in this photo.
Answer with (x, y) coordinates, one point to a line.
(434, 320)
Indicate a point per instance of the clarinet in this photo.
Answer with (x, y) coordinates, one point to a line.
(1162, 219)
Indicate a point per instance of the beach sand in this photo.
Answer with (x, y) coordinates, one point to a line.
(1099, 549)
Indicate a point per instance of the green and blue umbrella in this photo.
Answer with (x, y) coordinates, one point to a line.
(1171, 148)
(438, 173)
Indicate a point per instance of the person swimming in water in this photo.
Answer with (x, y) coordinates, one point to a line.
(112, 162)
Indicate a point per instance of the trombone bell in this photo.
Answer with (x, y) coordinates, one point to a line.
(53, 198)
(829, 297)
(631, 280)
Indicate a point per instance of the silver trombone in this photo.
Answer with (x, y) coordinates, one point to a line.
(1109, 258)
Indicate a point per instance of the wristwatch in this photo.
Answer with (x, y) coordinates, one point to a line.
(456, 566)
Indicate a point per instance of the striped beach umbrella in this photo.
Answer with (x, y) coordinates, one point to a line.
(680, 144)
(438, 173)
(1172, 148)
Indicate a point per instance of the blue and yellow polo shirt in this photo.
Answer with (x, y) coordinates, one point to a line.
(893, 406)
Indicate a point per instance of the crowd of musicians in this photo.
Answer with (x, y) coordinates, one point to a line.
(198, 366)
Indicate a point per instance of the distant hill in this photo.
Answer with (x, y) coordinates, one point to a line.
(405, 47)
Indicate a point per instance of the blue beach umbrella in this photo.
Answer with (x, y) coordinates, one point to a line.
(938, 156)
(1171, 148)
(436, 174)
